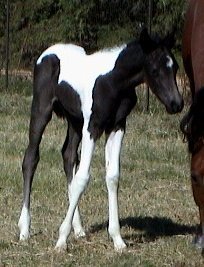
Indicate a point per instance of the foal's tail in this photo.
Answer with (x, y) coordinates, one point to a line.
(46, 72)
(46, 75)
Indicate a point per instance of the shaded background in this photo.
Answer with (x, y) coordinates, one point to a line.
(93, 24)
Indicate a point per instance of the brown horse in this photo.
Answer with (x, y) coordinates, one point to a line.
(192, 124)
(194, 132)
(193, 44)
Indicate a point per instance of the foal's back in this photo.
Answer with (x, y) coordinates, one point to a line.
(79, 69)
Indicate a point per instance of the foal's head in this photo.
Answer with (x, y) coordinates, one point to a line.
(192, 126)
(160, 68)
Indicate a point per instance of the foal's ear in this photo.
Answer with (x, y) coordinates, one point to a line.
(169, 40)
(146, 42)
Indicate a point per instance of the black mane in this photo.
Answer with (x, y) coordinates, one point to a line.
(132, 57)
(192, 124)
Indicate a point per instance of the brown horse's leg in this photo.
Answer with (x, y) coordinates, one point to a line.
(70, 158)
(41, 114)
(198, 193)
(199, 238)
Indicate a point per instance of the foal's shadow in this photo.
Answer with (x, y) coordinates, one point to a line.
(152, 228)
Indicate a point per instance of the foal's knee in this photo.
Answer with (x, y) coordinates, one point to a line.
(80, 181)
(112, 178)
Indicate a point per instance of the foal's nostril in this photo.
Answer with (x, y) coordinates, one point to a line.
(176, 107)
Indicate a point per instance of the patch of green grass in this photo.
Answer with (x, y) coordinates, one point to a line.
(158, 215)
(16, 84)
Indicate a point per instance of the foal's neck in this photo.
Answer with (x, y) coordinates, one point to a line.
(124, 79)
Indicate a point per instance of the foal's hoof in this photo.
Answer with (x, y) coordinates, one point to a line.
(61, 247)
(198, 241)
(24, 236)
(120, 247)
(79, 234)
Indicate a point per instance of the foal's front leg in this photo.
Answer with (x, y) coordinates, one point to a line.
(77, 187)
(112, 154)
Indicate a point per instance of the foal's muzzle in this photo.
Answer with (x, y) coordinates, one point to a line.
(175, 106)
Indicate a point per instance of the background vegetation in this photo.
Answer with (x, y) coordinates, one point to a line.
(34, 25)
(158, 215)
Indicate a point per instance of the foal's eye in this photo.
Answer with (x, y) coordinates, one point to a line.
(155, 72)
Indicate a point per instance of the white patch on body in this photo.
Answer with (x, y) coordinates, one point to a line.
(170, 62)
(81, 70)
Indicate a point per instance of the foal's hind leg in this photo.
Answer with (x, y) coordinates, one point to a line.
(77, 187)
(41, 113)
(70, 158)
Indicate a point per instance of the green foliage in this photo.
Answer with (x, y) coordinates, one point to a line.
(35, 25)
(168, 15)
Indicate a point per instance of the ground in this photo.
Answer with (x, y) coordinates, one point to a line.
(158, 215)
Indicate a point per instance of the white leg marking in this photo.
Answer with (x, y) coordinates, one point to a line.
(76, 223)
(78, 185)
(24, 223)
(107, 152)
(113, 147)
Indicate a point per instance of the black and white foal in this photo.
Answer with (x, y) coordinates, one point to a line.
(95, 93)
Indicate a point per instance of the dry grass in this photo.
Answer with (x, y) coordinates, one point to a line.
(157, 212)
